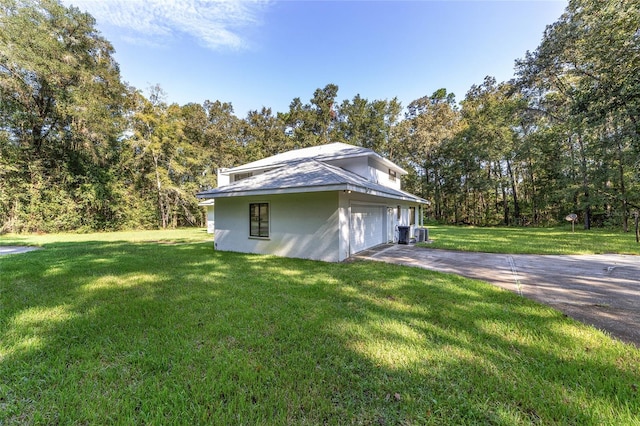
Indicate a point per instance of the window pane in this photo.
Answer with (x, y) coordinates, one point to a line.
(264, 228)
(259, 219)
(255, 228)
(264, 220)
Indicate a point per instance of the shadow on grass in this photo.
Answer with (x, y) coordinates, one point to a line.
(155, 333)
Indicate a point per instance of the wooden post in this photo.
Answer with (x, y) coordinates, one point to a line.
(636, 214)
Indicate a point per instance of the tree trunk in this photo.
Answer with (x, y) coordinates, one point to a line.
(516, 205)
(161, 206)
(437, 195)
(505, 207)
(585, 184)
(623, 194)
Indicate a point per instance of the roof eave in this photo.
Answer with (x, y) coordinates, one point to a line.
(271, 191)
(319, 188)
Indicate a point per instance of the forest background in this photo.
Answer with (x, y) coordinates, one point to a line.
(81, 150)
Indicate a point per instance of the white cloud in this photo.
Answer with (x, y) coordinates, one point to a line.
(215, 24)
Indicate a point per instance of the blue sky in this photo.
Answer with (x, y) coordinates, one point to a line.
(258, 53)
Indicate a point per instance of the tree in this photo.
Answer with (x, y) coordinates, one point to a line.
(494, 132)
(223, 135)
(263, 135)
(173, 153)
(432, 121)
(584, 76)
(368, 123)
(312, 124)
(61, 107)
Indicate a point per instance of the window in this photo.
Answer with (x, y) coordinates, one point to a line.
(240, 176)
(259, 220)
(392, 175)
(399, 213)
(412, 215)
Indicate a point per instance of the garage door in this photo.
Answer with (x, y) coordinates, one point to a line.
(367, 227)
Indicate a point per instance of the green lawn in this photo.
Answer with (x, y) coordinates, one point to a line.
(533, 240)
(158, 328)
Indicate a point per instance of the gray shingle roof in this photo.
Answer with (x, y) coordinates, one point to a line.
(331, 151)
(307, 175)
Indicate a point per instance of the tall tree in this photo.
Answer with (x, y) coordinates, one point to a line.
(223, 135)
(432, 121)
(368, 123)
(174, 152)
(61, 108)
(584, 75)
(264, 135)
(491, 112)
(313, 123)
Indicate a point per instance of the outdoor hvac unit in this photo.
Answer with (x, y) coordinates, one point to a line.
(422, 235)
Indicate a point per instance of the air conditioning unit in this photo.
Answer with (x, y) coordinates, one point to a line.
(422, 235)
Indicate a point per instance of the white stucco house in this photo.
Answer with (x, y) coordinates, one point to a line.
(325, 203)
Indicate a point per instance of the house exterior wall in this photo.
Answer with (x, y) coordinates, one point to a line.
(222, 177)
(328, 225)
(357, 165)
(305, 225)
(344, 221)
(369, 169)
(210, 219)
(381, 175)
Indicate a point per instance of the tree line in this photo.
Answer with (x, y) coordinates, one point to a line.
(81, 150)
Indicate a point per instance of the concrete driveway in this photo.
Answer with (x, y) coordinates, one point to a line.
(600, 290)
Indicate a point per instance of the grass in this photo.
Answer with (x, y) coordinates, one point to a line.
(558, 240)
(170, 236)
(158, 328)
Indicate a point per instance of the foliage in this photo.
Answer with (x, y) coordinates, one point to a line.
(140, 328)
(369, 124)
(61, 115)
(583, 77)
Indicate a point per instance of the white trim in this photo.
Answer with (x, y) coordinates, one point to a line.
(322, 188)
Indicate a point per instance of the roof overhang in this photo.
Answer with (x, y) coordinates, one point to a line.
(345, 187)
(304, 177)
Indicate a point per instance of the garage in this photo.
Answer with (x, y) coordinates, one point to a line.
(367, 227)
